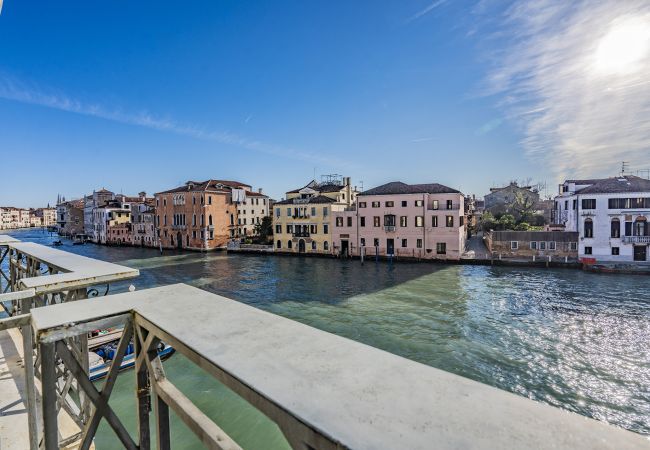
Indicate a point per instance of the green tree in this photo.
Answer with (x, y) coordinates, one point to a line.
(264, 230)
(506, 222)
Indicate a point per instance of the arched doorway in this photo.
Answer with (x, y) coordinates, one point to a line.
(179, 240)
(301, 246)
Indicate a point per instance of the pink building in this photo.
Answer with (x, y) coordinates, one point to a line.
(424, 221)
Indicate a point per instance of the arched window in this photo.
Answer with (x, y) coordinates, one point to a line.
(641, 226)
(616, 228)
(288, 244)
(589, 228)
(326, 246)
(279, 244)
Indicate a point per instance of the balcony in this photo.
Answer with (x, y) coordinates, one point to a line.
(443, 207)
(359, 396)
(389, 228)
(179, 227)
(636, 239)
(301, 234)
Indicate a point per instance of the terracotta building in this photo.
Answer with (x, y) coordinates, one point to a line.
(70, 217)
(200, 215)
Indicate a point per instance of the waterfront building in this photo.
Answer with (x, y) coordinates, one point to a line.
(425, 221)
(203, 215)
(70, 217)
(610, 215)
(112, 213)
(91, 202)
(541, 244)
(12, 218)
(251, 211)
(119, 233)
(43, 217)
(143, 215)
(303, 222)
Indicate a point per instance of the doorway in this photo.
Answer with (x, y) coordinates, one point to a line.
(345, 249)
(390, 246)
(640, 253)
(179, 240)
(301, 246)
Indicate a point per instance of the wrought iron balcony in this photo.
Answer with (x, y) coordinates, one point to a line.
(389, 228)
(301, 234)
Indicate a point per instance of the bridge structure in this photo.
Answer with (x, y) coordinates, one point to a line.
(322, 390)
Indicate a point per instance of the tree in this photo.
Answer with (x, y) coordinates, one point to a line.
(506, 222)
(264, 230)
(488, 222)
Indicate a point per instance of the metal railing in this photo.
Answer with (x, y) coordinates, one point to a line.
(301, 234)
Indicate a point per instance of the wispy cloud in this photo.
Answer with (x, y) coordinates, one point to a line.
(562, 74)
(423, 139)
(425, 11)
(15, 90)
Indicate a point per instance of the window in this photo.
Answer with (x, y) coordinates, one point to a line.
(375, 204)
(628, 203)
(313, 245)
(461, 221)
(390, 204)
(419, 221)
(403, 220)
(450, 204)
(628, 228)
(434, 221)
(533, 245)
(362, 221)
(615, 251)
(449, 221)
(278, 229)
(615, 228)
(389, 220)
(362, 204)
(325, 211)
(277, 212)
(326, 246)
(349, 221)
(588, 203)
(574, 246)
(436, 204)
(339, 221)
(441, 248)
(288, 212)
(404, 203)
(209, 199)
(313, 229)
(326, 228)
(404, 243)
(210, 220)
(551, 245)
(419, 202)
(363, 242)
(588, 251)
(418, 243)
(313, 210)
(514, 245)
(376, 242)
(542, 245)
(589, 228)
(376, 221)
(289, 244)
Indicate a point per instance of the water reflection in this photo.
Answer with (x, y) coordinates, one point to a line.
(575, 340)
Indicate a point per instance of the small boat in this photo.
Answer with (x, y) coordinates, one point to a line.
(57, 243)
(99, 361)
(79, 239)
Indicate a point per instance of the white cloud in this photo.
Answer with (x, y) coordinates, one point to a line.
(576, 76)
(425, 11)
(12, 89)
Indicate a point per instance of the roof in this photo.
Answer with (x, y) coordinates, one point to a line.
(310, 201)
(592, 181)
(324, 187)
(255, 194)
(397, 187)
(209, 185)
(614, 185)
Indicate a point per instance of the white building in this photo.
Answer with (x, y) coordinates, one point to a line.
(611, 216)
(91, 202)
(251, 209)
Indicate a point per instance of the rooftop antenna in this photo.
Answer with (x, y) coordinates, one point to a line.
(361, 183)
(624, 166)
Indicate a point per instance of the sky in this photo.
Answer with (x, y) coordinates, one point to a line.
(143, 96)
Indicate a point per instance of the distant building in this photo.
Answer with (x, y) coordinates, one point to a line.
(119, 233)
(505, 199)
(91, 202)
(541, 244)
(203, 215)
(251, 211)
(70, 217)
(610, 215)
(112, 213)
(143, 217)
(303, 222)
(425, 221)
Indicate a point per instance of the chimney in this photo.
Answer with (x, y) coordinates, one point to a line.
(259, 190)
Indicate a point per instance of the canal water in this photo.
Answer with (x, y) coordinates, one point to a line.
(575, 340)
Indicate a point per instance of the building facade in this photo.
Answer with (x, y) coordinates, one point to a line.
(505, 199)
(541, 244)
(203, 215)
(424, 221)
(250, 212)
(303, 222)
(143, 218)
(610, 215)
(70, 217)
(112, 213)
(91, 202)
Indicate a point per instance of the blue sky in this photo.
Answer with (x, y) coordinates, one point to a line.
(145, 95)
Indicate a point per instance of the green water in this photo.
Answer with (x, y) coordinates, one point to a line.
(575, 340)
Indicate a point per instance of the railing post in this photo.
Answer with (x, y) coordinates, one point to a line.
(143, 395)
(48, 385)
(28, 362)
